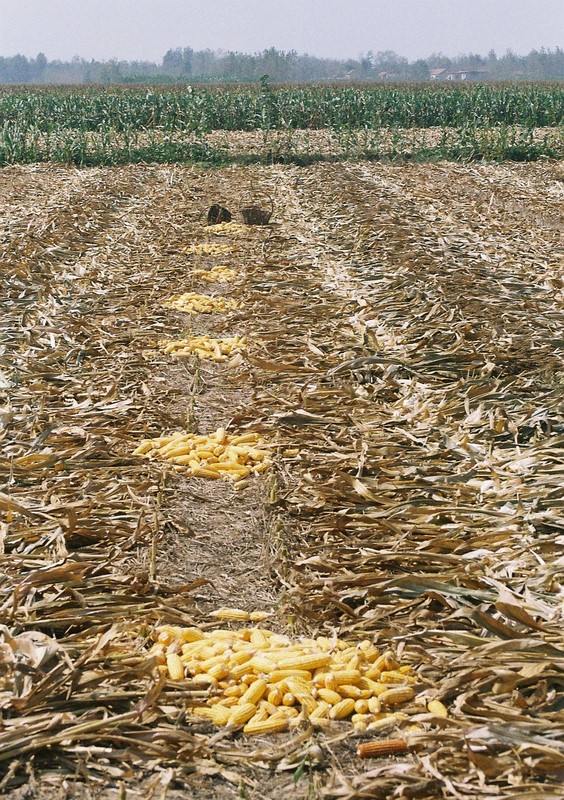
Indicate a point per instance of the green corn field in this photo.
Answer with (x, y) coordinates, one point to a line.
(94, 125)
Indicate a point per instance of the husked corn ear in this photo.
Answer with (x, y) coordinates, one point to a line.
(329, 696)
(174, 666)
(361, 706)
(274, 724)
(385, 721)
(254, 693)
(394, 676)
(283, 674)
(342, 709)
(351, 676)
(437, 708)
(307, 662)
(393, 697)
(321, 711)
(258, 616)
(230, 614)
(275, 697)
(214, 456)
(216, 275)
(241, 714)
(260, 676)
(194, 303)
(210, 248)
(382, 747)
(220, 715)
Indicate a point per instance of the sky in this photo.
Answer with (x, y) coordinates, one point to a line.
(146, 29)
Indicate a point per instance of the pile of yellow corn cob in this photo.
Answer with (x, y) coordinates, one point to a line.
(205, 347)
(216, 275)
(219, 455)
(228, 229)
(210, 249)
(264, 681)
(193, 303)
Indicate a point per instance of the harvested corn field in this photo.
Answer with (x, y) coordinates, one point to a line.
(371, 605)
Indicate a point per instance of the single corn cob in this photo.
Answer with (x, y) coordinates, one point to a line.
(383, 747)
(230, 614)
(220, 715)
(394, 697)
(274, 724)
(242, 714)
(254, 693)
(329, 696)
(174, 666)
(343, 709)
(437, 708)
(307, 662)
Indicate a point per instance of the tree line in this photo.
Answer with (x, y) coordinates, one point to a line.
(201, 66)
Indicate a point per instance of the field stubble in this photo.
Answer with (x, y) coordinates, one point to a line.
(404, 341)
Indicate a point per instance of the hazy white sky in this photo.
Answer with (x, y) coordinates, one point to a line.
(146, 29)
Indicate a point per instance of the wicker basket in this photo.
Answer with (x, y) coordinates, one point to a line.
(254, 209)
(218, 214)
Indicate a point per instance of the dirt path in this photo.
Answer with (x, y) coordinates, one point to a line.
(405, 330)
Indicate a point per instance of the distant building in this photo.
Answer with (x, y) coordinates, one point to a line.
(458, 75)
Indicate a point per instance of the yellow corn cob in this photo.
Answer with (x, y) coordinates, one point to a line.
(394, 697)
(355, 692)
(307, 662)
(275, 697)
(233, 691)
(228, 702)
(254, 693)
(241, 714)
(282, 674)
(437, 708)
(262, 664)
(143, 448)
(270, 708)
(289, 711)
(373, 673)
(321, 711)
(274, 724)
(342, 709)
(394, 676)
(386, 661)
(350, 677)
(354, 663)
(361, 706)
(174, 666)
(220, 715)
(383, 747)
(329, 696)
(191, 635)
(330, 682)
(260, 638)
(288, 699)
(219, 672)
(230, 614)
(260, 716)
(258, 616)
(374, 705)
(203, 679)
(385, 721)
